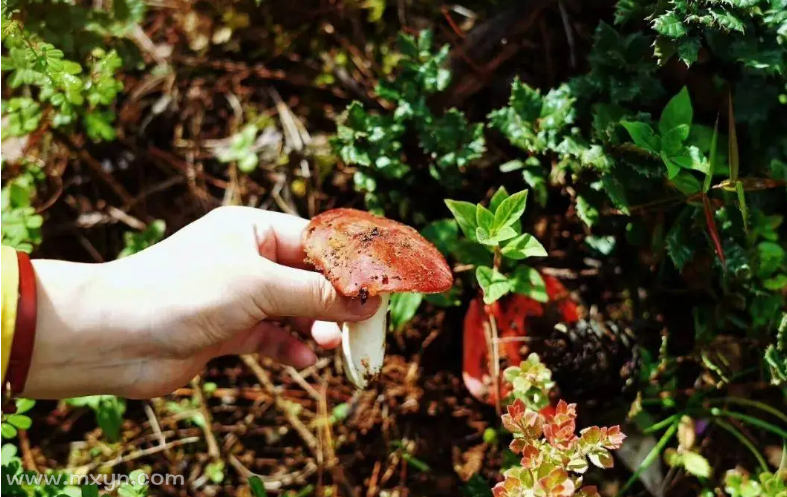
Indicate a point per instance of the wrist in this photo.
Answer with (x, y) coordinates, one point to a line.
(79, 348)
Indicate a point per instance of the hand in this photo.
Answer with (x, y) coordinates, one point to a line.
(144, 325)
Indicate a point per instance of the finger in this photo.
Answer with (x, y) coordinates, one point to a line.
(327, 335)
(279, 237)
(303, 325)
(290, 292)
(271, 341)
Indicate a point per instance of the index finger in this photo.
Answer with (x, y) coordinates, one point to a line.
(280, 237)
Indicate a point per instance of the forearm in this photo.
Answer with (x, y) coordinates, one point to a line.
(79, 339)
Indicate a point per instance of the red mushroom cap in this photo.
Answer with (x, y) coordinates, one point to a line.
(363, 255)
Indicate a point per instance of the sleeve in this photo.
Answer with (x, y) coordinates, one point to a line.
(10, 296)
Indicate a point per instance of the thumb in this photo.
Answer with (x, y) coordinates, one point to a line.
(294, 292)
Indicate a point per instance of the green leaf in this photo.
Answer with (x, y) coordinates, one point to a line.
(257, 487)
(443, 233)
(512, 165)
(586, 211)
(696, 464)
(672, 140)
(476, 486)
(601, 244)
(465, 215)
(90, 490)
(492, 282)
(688, 50)
(510, 210)
(24, 405)
(687, 183)
(500, 195)
(8, 431)
(402, 308)
(643, 136)
(522, 247)
(678, 246)
(529, 282)
(503, 234)
(669, 25)
(19, 421)
(742, 205)
(706, 184)
(678, 111)
(484, 218)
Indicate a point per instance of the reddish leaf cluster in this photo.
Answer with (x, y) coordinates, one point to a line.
(553, 456)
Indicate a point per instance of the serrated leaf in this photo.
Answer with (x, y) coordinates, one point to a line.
(522, 247)
(586, 211)
(493, 283)
(678, 247)
(670, 25)
(688, 50)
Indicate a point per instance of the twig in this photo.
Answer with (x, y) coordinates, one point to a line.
(495, 363)
(302, 382)
(156, 428)
(297, 424)
(275, 483)
(210, 439)
(27, 456)
(134, 455)
(572, 55)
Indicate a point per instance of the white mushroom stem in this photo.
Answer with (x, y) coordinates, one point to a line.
(363, 345)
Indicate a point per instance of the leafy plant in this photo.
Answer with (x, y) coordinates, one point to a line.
(531, 382)
(241, 149)
(62, 85)
(737, 483)
(137, 242)
(553, 456)
(109, 412)
(17, 421)
(495, 244)
(21, 223)
(135, 486)
(373, 141)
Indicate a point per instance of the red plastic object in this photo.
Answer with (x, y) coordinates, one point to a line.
(510, 314)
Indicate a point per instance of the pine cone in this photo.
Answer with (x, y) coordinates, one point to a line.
(595, 364)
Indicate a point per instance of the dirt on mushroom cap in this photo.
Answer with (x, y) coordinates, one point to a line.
(363, 255)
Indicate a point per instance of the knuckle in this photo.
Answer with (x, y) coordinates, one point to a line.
(324, 293)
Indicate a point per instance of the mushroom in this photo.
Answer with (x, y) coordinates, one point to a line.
(364, 255)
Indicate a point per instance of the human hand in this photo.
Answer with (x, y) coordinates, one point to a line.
(145, 325)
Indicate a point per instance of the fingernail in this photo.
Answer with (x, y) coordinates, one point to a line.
(363, 309)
